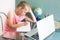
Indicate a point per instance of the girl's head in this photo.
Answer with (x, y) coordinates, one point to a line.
(22, 8)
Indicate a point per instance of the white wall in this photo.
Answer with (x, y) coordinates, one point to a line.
(5, 6)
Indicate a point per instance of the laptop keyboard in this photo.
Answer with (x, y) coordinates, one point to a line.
(35, 36)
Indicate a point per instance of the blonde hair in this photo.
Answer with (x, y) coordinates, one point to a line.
(22, 4)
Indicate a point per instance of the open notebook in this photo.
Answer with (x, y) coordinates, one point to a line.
(26, 28)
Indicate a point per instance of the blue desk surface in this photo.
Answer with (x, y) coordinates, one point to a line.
(54, 36)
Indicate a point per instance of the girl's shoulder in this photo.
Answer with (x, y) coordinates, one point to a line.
(10, 13)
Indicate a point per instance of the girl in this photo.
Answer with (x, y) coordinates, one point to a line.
(14, 19)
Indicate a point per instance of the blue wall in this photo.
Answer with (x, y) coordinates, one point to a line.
(48, 6)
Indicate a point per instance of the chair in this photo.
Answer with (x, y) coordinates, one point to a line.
(2, 16)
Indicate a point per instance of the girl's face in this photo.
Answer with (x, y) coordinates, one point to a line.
(22, 11)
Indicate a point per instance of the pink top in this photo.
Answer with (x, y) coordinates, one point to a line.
(8, 31)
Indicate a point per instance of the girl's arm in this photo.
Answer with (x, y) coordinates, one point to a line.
(33, 17)
(10, 22)
(28, 19)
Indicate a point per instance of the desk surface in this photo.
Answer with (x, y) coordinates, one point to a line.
(54, 36)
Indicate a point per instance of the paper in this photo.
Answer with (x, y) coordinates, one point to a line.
(26, 28)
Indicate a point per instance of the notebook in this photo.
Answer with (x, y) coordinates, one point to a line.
(26, 28)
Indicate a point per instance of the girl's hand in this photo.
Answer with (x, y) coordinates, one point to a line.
(25, 23)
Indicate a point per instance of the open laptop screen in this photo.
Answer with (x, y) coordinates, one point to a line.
(45, 27)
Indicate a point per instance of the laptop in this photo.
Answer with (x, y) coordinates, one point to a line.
(45, 27)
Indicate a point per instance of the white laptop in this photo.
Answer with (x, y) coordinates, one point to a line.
(45, 27)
